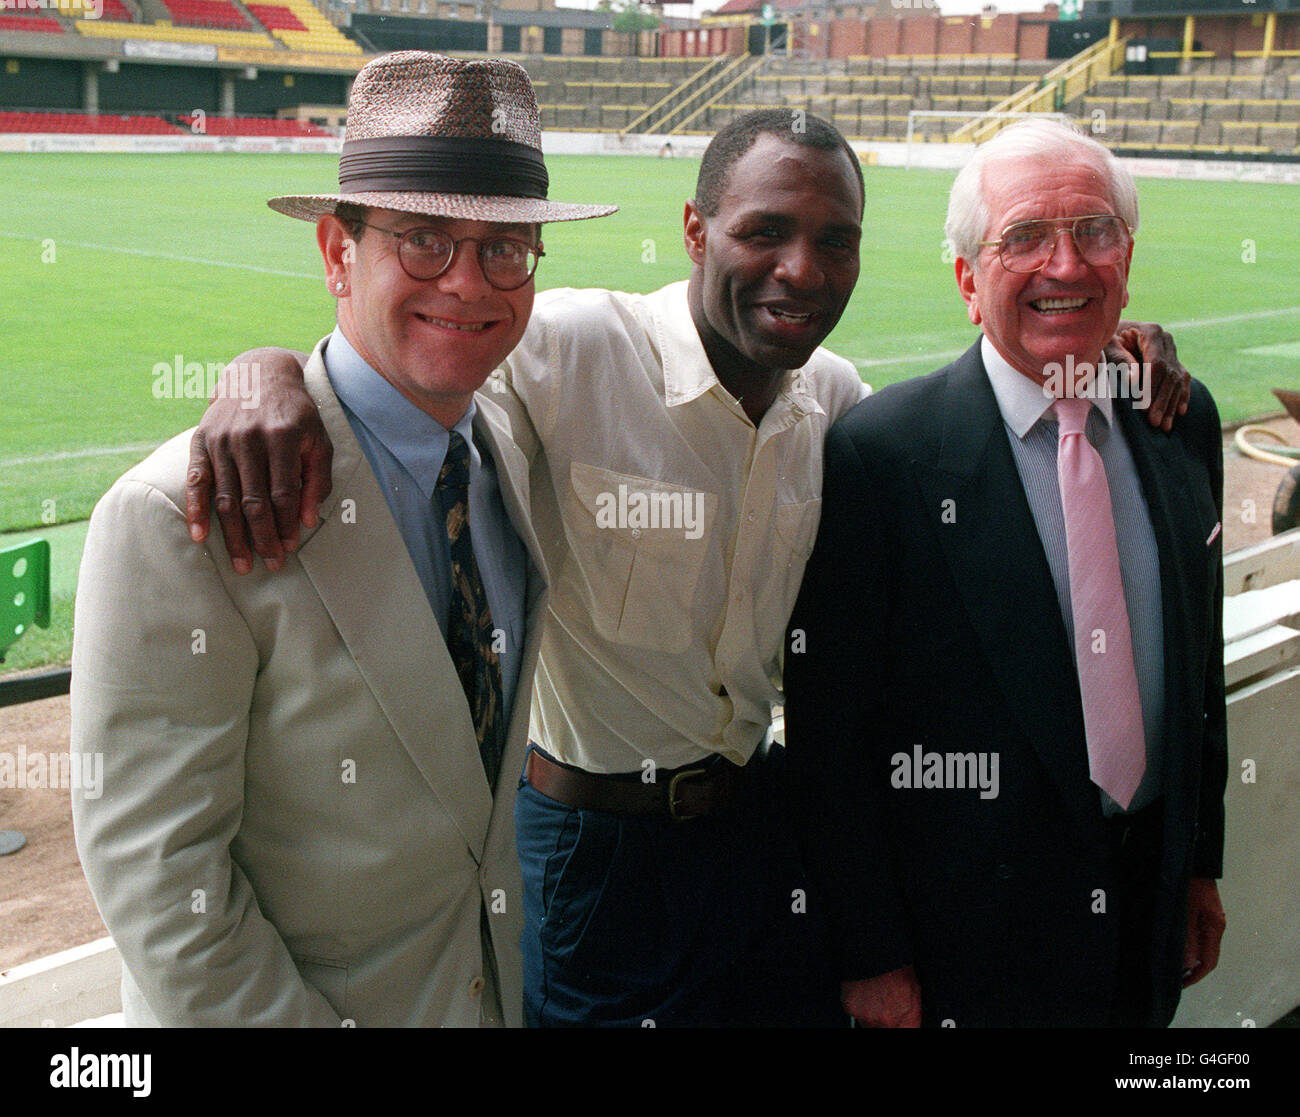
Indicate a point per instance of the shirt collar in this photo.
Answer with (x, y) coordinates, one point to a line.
(1021, 401)
(417, 440)
(688, 373)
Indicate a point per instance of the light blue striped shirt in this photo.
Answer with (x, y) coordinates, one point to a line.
(406, 448)
(1032, 431)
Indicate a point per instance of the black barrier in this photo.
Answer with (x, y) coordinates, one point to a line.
(32, 688)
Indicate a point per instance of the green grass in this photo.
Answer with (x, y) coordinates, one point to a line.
(115, 263)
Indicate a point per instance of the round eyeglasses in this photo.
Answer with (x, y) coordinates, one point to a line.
(1102, 239)
(425, 253)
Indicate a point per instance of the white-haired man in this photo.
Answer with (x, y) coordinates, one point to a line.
(302, 821)
(1007, 726)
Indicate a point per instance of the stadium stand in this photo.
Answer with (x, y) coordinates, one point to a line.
(596, 94)
(1198, 113)
(867, 98)
(315, 34)
(1228, 106)
(57, 123)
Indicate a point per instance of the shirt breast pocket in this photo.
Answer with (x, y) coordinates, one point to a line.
(638, 550)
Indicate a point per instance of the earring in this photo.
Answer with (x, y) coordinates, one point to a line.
(339, 286)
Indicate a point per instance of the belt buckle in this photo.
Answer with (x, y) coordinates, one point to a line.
(685, 773)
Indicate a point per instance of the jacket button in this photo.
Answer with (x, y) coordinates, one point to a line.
(476, 986)
(1004, 872)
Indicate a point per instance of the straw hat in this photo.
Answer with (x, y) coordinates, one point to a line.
(446, 137)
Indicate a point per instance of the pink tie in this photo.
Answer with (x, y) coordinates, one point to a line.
(1103, 647)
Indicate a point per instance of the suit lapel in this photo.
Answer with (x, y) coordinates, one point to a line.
(1001, 573)
(512, 473)
(358, 564)
(1177, 525)
(513, 480)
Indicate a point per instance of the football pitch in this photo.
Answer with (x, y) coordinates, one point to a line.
(114, 265)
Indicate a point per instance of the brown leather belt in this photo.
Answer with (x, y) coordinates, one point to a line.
(680, 794)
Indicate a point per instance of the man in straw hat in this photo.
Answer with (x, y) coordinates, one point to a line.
(301, 819)
(676, 441)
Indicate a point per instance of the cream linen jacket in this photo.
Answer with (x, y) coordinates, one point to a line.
(294, 826)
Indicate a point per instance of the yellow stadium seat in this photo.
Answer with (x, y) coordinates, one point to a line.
(320, 36)
(163, 32)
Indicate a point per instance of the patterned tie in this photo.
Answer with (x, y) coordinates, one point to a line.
(469, 622)
(1103, 646)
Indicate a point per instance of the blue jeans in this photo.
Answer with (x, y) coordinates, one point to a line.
(705, 922)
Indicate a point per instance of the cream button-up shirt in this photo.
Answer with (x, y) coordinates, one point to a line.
(675, 531)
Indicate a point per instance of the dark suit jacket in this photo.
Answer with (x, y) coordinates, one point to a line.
(928, 616)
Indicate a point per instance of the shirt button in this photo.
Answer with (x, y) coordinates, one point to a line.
(476, 986)
(750, 517)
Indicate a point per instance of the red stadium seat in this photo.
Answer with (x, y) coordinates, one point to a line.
(117, 12)
(207, 13)
(42, 24)
(277, 17)
(63, 122)
(256, 126)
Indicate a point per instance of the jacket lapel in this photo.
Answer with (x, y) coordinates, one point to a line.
(1184, 580)
(358, 564)
(1001, 573)
(491, 425)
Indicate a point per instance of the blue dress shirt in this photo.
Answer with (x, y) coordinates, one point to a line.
(406, 448)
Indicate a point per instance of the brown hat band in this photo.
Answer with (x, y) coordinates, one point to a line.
(442, 165)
